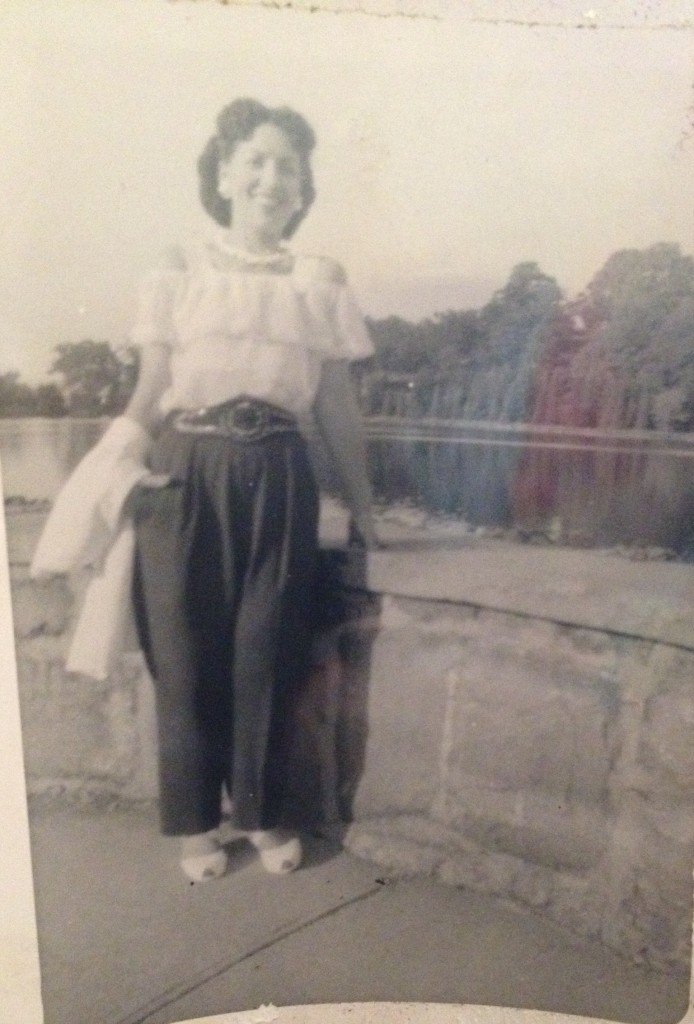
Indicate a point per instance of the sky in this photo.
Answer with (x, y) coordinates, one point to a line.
(449, 150)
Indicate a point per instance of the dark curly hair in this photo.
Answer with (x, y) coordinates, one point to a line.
(237, 122)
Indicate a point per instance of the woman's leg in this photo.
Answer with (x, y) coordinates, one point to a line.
(187, 653)
(273, 628)
(224, 596)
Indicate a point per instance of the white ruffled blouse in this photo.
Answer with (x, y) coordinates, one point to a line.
(239, 328)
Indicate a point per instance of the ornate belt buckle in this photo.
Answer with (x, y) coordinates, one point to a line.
(246, 419)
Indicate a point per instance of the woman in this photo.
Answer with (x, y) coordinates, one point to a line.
(237, 339)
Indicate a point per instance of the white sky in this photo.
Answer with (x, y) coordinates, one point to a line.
(449, 150)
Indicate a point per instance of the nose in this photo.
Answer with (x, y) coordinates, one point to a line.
(270, 175)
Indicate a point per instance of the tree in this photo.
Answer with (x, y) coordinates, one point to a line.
(48, 401)
(16, 398)
(96, 380)
(619, 355)
(641, 304)
(400, 345)
(513, 326)
(19, 399)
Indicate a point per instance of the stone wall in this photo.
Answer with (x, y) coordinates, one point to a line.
(537, 761)
(78, 734)
(467, 715)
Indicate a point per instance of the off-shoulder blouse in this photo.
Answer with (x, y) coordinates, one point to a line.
(238, 328)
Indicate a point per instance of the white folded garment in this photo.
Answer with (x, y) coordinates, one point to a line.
(85, 529)
(105, 629)
(85, 515)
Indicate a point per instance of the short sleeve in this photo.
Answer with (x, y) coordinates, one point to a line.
(333, 304)
(352, 337)
(154, 321)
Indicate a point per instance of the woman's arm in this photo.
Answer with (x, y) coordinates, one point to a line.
(153, 379)
(339, 422)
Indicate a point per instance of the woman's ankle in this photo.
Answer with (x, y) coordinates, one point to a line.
(269, 838)
(200, 844)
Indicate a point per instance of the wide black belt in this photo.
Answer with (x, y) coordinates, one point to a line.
(242, 418)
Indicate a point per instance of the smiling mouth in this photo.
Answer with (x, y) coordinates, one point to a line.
(269, 201)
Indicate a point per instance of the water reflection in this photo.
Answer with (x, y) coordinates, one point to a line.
(584, 487)
(38, 454)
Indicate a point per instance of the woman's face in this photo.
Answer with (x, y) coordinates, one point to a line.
(262, 178)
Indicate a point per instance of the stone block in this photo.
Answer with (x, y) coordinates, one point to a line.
(406, 707)
(479, 871)
(649, 931)
(40, 606)
(533, 886)
(577, 902)
(40, 666)
(666, 747)
(664, 867)
(674, 822)
(552, 743)
(420, 829)
(74, 728)
(572, 838)
(23, 530)
(524, 722)
(397, 855)
(646, 883)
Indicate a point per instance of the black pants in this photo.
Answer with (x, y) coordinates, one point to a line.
(224, 585)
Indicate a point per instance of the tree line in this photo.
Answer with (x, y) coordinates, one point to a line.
(619, 355)
(94, 379)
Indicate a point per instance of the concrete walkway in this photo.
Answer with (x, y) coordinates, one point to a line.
(125, 940)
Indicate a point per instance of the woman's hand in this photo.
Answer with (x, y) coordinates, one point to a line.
(339, 421)
(155, 480)
(363, 535)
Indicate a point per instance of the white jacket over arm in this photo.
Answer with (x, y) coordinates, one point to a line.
(85, 529)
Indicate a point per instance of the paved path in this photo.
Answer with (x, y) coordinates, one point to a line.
(125, 940)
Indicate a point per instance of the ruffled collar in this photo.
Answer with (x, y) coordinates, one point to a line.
(225, 256)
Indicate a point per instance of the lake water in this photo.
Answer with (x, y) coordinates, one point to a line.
(583, 487)
(38, 454)
(594, 489)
